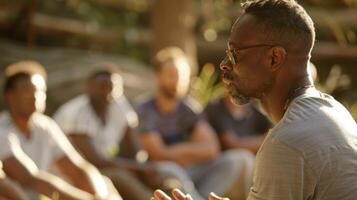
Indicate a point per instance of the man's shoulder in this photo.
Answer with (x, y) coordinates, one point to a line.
(75, 103)
(191, 104)
(5, 123)
(315, 120)
(5, 118)
(72, 107)
(145, 105)
(121, 103)
(40, 120)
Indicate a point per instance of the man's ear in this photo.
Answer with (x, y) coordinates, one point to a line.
(278, 57)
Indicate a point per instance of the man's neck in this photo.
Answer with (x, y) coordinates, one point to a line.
(276, 102)
(22, 123)
(99, 110)
(165, 105)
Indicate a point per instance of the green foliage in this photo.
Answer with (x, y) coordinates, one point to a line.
(206, 86)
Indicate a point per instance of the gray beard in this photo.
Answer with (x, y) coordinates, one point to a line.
(239, 99)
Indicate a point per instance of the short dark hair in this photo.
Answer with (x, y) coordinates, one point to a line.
(284, 20)
(11, 81)
(104, 70)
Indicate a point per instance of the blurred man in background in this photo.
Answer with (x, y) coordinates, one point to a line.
(171, 129)
(31, 143)
(97, 121)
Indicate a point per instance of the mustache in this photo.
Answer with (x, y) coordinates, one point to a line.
(226, 77)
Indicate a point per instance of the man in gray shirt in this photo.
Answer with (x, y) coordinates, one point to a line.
(311, 153)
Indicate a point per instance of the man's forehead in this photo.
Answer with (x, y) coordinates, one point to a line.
(244, 31)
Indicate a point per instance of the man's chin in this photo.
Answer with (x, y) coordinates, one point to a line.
(171, 96)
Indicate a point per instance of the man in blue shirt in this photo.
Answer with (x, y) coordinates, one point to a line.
(172, 129)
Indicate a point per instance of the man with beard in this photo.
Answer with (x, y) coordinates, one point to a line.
(311, 153)
(171, 129)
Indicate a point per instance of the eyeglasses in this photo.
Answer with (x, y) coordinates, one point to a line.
(231, 52)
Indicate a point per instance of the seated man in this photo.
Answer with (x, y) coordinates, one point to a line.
(31, 142)
(172, 130)
(311, 153)
(7, 190)
(96, 122)
(237, 126)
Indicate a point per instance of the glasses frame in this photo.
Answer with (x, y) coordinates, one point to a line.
(230, 52)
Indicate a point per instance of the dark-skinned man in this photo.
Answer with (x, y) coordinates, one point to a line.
(311, 152)
(97, 121)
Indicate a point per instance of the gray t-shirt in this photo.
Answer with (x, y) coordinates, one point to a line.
(310, 154)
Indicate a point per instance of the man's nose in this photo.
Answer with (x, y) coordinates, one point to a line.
(225, 64)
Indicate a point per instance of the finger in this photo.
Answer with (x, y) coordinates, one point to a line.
(178, 195)
(160, 195)
(213, 196)
(188, 197)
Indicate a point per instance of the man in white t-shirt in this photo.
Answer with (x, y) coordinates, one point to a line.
(31, 142)
(96, 122)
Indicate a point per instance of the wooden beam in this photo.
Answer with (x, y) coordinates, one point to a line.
(342, 17)
(58, 25)
(329, 50)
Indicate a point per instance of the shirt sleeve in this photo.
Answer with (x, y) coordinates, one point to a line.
(146, 122)
(10, 147)
(64, 120)
(5, 146)
(281, 172)
(70, 120)
(130, 115)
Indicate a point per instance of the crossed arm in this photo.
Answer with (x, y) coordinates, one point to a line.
(83, 143)
(202, 146)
